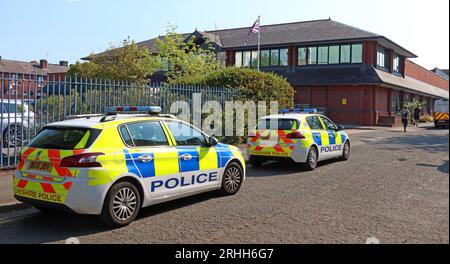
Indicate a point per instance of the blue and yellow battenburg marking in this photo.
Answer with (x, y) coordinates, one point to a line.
(169, 161)
(327, 138)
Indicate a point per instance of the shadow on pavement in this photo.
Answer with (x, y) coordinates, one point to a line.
(442, 168)
(55, 226)
(280, 168)
(429, 143)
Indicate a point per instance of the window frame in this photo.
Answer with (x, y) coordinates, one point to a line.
(141, 122)
(309, 58)
(384, 53)
(314, 116)
(326, 118)
(205, 136)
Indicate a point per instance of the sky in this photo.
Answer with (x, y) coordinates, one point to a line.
(71, 29)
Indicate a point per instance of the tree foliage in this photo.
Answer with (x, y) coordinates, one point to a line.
(127, 62)
(174, 56)
(182, 57)
(253, 85)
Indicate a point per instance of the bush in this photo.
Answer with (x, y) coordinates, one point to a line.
(426, 118)
(253, 85)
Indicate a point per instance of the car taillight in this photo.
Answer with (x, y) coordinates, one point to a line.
(295, 135)
(85, 160)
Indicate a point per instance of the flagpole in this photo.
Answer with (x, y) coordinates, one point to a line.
(259, 42)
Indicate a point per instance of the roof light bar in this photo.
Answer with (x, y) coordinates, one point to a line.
(299, 111)
(133, 109)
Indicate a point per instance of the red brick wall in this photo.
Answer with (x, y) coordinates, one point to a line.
(370, 52)
(417, 72)
(26, 83)
(364, 102)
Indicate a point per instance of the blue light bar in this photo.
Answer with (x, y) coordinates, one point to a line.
(299, 111)
(134, 109)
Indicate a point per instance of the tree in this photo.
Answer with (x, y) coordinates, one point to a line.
(128, 62)
(182, 57)
(411, 106)
(252, 84)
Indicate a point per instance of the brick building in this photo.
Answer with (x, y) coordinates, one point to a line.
(358, 76)
(20, 77)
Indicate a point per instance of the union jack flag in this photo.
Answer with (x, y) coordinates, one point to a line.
(256, 28)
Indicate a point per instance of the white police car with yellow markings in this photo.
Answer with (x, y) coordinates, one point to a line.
(116, 164)
(299, 135)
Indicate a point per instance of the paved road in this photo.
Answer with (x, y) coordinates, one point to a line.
(394, 188)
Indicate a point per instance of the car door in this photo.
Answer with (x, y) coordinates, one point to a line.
(155, 159)
(197, 160)
(319, 135)
(335, 143)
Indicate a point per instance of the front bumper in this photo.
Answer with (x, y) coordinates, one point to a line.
(72, 194)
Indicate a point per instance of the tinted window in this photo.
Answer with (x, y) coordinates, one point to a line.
(357, 53)
(314, 123)
(65, 138)
(283, 57)
(334, 55)
(312, 55)
(274, 57)
(126, 136)
(265, 58)
(328, 124)
(246, 57)
(238, 59)
(186, 135)
(278, 124)
(147, 134)
(323, 55)
(302, 56)
(345, 53)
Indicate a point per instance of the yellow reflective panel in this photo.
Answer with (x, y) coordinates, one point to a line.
(166, 161)
(83, 141)
(325, 138)
(338, 138)
(208, 158)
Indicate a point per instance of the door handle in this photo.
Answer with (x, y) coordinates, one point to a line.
(186, 157)
(145, 159)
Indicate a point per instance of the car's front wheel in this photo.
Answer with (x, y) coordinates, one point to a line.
(121, 206)
(232, 178)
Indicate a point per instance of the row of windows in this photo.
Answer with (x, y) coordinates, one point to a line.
(269, 58)
(334, 54)
(382, 60)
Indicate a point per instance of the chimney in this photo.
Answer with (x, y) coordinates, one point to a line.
(43, 64)
(64, 63)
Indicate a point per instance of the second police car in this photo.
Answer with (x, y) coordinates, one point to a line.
(300, 135)
(114, 165)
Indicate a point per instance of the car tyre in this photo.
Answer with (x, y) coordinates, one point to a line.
(346, 152)
(232, 179)
(312, 159)
(121, 205)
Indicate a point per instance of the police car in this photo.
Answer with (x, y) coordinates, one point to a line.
(113, 165)
(301, 135)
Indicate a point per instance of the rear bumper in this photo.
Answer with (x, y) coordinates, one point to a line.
(441, 122)
(80, 198)
(43, 204)
(298, 155)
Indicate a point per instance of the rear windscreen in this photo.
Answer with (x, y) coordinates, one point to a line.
(278, 124)
(66, 138)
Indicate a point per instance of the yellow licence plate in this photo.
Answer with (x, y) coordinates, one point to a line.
(40, 166)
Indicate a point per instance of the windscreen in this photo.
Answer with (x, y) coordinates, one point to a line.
(278, 124)
(65, 138)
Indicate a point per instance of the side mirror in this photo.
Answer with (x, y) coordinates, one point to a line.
(340, 128)
(213, 141)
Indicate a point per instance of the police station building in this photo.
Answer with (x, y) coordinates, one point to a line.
(359, 77)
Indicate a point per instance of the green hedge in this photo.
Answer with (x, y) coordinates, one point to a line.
(252, 85)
